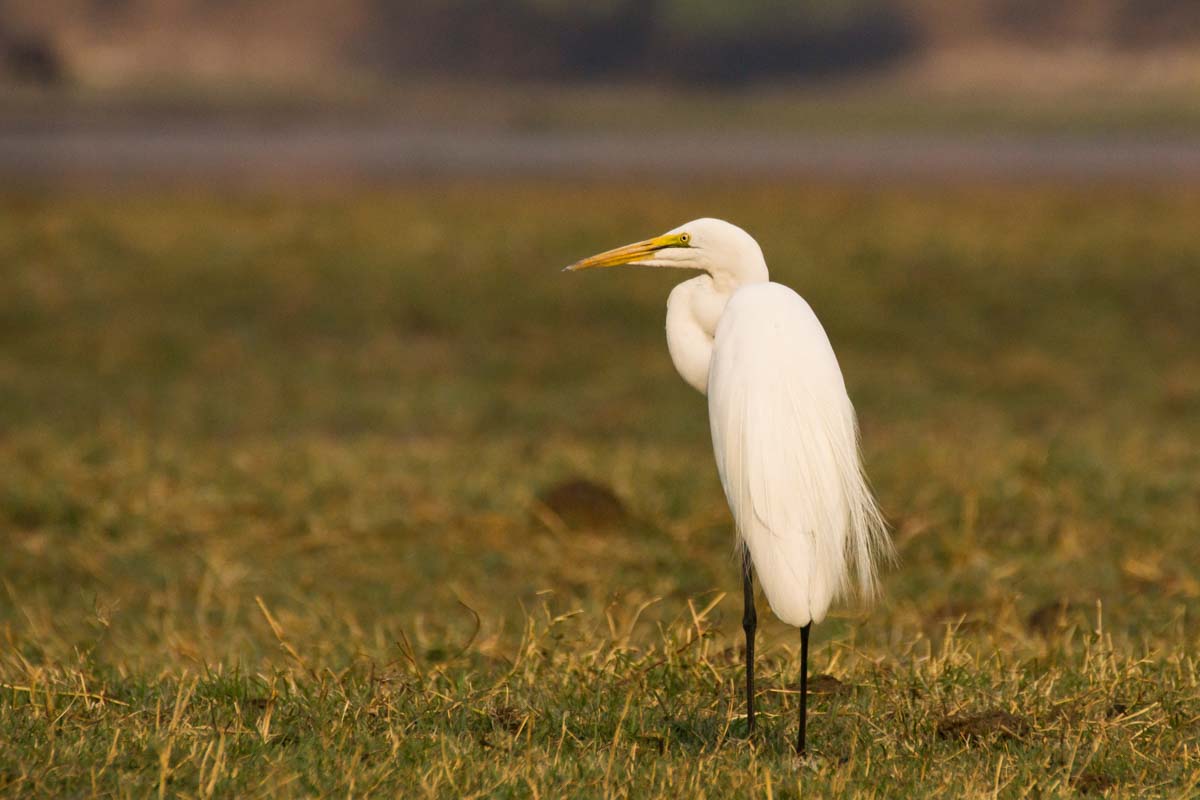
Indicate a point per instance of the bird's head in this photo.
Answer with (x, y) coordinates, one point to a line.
(723, 250)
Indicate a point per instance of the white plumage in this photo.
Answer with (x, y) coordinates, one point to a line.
(786, 444)
(784, 432)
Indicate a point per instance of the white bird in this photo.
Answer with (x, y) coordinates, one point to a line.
(784, 431)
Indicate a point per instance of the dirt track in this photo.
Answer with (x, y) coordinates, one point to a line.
(242, 151)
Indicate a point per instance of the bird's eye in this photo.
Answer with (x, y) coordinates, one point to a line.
(685, 238)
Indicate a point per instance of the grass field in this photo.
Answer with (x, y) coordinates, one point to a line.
(274, 516)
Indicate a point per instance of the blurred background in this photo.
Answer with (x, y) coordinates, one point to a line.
(369, 87)
(269, 44)
(302, 257)
(325, 238)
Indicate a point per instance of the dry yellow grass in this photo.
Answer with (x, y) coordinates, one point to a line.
(270, 520)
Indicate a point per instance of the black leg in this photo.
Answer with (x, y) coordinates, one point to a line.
(749, 625)
(803, 686)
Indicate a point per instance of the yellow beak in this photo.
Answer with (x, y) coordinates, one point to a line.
(630, 253)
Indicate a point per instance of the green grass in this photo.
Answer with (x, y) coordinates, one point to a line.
(269, 518)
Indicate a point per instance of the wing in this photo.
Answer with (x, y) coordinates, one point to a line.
(786, 444)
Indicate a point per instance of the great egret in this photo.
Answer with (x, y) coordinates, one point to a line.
(783, 429)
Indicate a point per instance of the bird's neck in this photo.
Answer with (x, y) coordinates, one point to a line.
(693, 311)
(732, 270)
